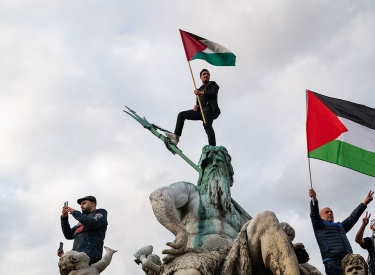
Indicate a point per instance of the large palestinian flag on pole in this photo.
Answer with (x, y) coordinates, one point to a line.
(341, 132)
(200, 48)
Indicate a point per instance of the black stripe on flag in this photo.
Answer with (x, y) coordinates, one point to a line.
(195, 36)
(358, 113)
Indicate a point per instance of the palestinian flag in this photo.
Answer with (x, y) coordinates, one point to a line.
(341, 132)
(200, 48)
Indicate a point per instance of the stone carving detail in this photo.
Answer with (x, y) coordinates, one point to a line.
(302, 255)
(354, 264)
(150, 262)
(77, 263)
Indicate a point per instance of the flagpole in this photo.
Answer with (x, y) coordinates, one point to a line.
(307, 141)
(199, 100)
(308, 159)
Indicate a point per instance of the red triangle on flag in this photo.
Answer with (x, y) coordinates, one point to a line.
(191, 44)
(322, 125)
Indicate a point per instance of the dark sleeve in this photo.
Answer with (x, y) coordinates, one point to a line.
(368, 244)
(96, 221)
(350, 221)
(65, 226)
(212, 91)
(314, 215)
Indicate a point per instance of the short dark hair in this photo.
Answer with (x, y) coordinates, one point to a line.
(204, 70)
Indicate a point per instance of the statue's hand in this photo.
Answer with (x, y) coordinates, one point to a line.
(178, 247)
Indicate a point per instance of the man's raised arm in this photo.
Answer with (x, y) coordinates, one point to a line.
(98, 220)
(350, 221)
(165, 201)
(359, 237)
(65, 226)
(314, 210)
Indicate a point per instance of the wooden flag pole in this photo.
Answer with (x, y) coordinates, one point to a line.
(310, 178)
(199, 100)
(310, 172)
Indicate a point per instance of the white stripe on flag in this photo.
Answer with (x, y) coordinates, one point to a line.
(213, 47)
(358, 135)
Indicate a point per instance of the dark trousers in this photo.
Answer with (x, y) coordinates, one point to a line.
(93, 260)
(333, 267)
(192, 115)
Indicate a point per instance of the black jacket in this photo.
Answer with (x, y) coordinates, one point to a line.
(331, 236)
(89, 233)
(209, 99)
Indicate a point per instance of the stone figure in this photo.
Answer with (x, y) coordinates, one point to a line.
(211, 236)
(302, 255)
(354, 264)
(77, 263)
(150, 262)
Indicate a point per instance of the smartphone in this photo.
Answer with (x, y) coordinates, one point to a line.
(61, 247)
(66, 203)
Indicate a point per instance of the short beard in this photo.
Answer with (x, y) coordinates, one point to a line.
(86, 211)
(216, 190)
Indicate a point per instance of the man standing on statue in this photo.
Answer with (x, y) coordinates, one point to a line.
(207, 94)
(331, 236)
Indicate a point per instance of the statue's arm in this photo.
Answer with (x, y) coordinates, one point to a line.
(165, 202)
(106, 260)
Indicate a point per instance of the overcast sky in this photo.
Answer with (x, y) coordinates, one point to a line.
(67, 68)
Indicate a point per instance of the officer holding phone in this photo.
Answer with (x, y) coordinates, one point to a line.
(89, 233)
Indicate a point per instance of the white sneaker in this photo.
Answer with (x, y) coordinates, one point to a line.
(172, 137)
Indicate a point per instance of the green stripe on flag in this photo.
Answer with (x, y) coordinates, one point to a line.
(217, 59)
(347, 155)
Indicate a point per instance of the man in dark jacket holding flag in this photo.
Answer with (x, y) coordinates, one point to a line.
(208, 96)
(330, 235)
(90, 231)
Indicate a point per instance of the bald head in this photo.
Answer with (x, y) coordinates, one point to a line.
(326, 214)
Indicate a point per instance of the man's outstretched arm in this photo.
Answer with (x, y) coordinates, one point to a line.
(165, 202)
(350, 221)
(99, 220)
